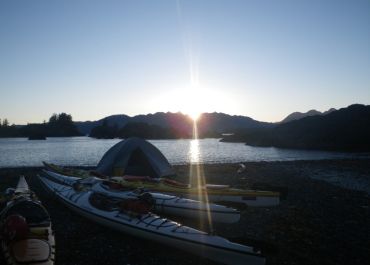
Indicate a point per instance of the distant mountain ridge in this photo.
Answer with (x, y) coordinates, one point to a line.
(85, 127)
(299, 115)
(208, 122)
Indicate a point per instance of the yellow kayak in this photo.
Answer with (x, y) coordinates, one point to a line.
(27, 236)
(210, 192)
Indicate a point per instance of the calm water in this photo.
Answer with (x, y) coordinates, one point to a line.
(85, 151)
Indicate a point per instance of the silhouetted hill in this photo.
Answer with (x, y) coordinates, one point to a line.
(85, 127)
(346, 129)
(224, 123)
(150, 131)
(178, 123)
(105, 130)
(299, 115)
(209, 124)
(328, 111)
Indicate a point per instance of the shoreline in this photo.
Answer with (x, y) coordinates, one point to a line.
(316, 222)
(84, 151)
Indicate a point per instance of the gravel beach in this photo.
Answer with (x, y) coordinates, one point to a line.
(323, 218)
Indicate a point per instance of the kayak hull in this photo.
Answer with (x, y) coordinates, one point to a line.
(155, 228)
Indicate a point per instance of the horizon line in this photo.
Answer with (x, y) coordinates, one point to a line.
(180, 112)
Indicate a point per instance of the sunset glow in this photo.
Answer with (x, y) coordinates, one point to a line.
(181, 56)
(195, 100)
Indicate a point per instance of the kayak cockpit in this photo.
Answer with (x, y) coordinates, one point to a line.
(34, 213)
(26, 233)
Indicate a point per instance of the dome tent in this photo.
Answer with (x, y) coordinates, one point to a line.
(135, 156)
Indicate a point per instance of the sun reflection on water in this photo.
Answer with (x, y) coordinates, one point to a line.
(197, 178)
(194, 153)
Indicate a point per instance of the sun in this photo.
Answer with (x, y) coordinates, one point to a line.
(194, 115)
(193, 101)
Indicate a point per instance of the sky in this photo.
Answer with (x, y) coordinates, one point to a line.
(263, 58)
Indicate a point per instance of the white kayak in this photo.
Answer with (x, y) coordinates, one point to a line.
(27, 237)
(103, 210)
(164, 203)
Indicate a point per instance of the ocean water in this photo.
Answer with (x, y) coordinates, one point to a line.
(85, 151)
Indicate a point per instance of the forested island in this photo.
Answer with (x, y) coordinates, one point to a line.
(59, 125)
(346, 129)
